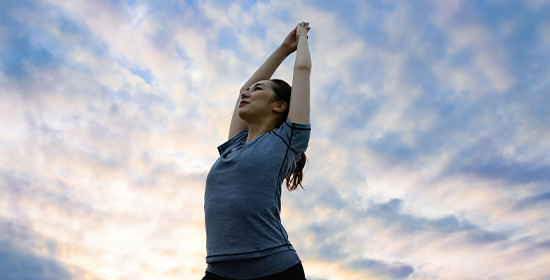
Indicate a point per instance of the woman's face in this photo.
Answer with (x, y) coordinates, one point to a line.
(257, 102)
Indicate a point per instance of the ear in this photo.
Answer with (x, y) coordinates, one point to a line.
(280, 106)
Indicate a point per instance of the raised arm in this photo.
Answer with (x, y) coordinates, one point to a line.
(299, 108)
(265, 72)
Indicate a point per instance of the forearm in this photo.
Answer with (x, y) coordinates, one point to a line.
(303, 57)
(268, 67)
(299, 110)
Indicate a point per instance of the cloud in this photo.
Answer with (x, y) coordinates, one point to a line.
(467, 35)
(535, 4)
(391, 213)
(22, 265)
(510, 170)
(23, 51)
(22, 255)
(533, 201)
(544, 31)
(379, 268)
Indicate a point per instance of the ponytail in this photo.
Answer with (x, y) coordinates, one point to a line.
(295, 179)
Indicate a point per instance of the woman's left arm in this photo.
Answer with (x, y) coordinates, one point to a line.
(299, 109)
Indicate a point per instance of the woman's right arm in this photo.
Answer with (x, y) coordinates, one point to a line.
(265, 72)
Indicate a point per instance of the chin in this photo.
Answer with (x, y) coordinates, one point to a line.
(244, 116)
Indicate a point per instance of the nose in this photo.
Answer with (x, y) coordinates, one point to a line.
(244, 94)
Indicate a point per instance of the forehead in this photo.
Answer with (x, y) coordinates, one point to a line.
(265, 84)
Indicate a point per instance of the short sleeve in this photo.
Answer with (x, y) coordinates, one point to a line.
(237, 139)
(295, 135)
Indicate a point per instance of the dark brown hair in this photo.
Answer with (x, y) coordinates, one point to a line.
(282, 93)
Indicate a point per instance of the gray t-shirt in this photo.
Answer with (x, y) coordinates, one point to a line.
(242, 200)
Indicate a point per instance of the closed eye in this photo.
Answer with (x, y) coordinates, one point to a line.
(255, 88)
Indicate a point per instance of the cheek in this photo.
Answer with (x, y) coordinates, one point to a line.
(262, 98)
(260, 101)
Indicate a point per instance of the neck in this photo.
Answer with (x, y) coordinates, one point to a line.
(256, 129)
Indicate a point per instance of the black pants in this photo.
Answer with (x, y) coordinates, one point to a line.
(294, 273)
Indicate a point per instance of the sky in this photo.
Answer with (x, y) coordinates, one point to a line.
(429, 155)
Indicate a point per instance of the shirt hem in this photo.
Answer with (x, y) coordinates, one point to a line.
(249, 255)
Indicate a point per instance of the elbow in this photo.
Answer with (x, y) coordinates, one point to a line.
(303, 67)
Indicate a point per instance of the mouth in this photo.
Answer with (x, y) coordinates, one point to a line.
(243, 103)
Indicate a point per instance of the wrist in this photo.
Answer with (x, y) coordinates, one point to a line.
(285, 50)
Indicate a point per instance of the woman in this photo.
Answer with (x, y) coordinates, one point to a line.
(268, 136)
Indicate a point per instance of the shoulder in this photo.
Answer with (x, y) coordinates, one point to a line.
(235, 140)
(294, 135)
(290, 126)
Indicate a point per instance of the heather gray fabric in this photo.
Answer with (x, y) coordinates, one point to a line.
(242, 199)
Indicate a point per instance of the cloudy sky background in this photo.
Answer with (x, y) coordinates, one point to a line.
(429, 155)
